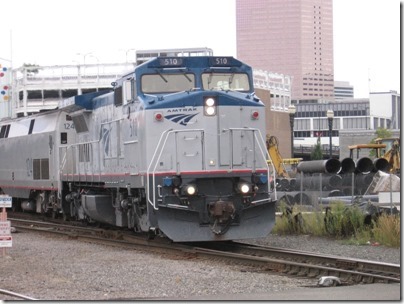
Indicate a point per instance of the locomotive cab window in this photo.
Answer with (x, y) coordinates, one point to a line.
(167, 83)
(226, 81)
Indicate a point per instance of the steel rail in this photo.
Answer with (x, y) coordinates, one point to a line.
(306, 263)
(16, 295)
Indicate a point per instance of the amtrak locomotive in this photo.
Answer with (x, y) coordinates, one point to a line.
(176, 148)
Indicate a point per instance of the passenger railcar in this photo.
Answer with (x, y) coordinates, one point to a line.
(176, 148)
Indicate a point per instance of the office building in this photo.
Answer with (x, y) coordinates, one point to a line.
(343, 90)
(294, 38)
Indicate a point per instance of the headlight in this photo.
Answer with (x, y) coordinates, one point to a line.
(244, 187)
(209, 106)
(190, 189)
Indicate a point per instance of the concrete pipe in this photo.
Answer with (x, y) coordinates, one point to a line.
(305, 198)
(381, 164)
(320, 166)
(307, 183)
(347, 166)
(293, 184)
(328, 181)
(347, 179)
(347, 191)
(364, 165)
(364, 180)
(286, 199)
(284, 184)
(336, 192)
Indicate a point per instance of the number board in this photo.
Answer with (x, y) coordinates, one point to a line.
(5, 201)
(221, 61)
(170, 62)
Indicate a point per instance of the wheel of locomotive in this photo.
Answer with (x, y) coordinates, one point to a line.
(151, 234)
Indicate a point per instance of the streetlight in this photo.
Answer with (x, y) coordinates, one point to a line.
(330, 116)
(292, 112)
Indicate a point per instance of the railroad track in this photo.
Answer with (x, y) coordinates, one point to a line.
(301, 263)
(259, 258)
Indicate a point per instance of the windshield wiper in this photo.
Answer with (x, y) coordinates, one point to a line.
(186, 76)
(161, 75)
(231, 79)
(210, 79)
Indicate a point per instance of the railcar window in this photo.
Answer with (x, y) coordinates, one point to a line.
(31, 126)
(63, 138)
(4, 131)
(167, 83)
(225, 81)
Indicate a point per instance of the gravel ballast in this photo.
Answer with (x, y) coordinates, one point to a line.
(49, 267)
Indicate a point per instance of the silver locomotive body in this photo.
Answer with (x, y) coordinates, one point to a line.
(176, 149)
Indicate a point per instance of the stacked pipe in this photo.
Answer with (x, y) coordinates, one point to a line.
(332, 176)
(331, 165)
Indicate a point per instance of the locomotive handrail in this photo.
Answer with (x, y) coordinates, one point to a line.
(264, 154)
(148, 170)
(154, 160)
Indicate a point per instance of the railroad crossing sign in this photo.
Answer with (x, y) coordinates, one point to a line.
(6, 240)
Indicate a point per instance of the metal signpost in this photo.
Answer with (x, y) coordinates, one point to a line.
(6, 239)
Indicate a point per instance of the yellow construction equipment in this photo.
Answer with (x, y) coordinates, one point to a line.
(387, 148)
(276, 158)
(391, 152)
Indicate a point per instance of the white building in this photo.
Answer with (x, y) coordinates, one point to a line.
(385, 108)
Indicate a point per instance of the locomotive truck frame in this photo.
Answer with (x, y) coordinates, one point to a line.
(175, 148)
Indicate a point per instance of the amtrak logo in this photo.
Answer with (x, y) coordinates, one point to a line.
(182, 119)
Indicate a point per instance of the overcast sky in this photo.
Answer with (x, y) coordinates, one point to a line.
(49, 32)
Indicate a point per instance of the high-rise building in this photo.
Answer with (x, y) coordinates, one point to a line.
(343, 90)
(292, 37)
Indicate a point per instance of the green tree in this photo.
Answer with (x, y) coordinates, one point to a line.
(380, 133)
(316, 152)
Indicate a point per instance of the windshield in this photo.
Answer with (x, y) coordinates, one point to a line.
(225, 81)
(167, 83)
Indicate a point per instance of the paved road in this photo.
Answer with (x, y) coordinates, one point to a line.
(375, 292)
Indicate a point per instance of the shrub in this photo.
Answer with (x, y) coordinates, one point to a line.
(386, 230)
(340, 221)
